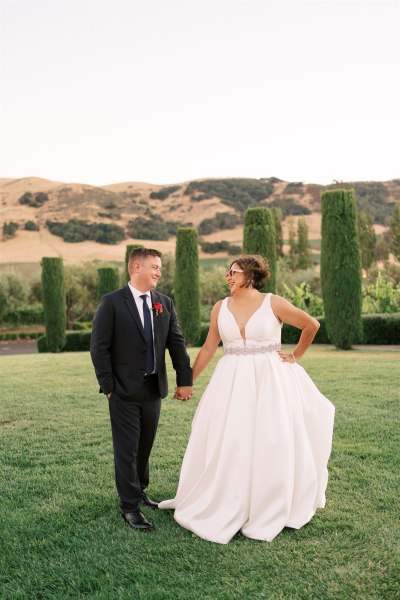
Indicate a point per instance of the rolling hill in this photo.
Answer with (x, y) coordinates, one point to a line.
(134, 207)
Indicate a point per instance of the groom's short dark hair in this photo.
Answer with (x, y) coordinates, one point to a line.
(138, 253)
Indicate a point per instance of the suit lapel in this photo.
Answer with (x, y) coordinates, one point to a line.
(157, 319)
(131, 305)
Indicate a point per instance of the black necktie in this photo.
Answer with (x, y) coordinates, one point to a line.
(148, 334)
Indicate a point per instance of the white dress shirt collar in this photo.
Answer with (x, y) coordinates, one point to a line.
(137, 293)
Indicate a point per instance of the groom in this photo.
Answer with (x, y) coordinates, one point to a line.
(132, 328)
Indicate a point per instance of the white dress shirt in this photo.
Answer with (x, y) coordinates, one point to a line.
(139, 303)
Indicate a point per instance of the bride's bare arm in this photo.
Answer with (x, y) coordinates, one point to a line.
(210, 345)
(287, 313)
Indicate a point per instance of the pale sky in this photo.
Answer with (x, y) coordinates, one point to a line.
(163, 92)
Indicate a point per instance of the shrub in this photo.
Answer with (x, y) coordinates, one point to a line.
(9, 229)
(31, 226)
(75, 231)
(54, 304)
(154, 228)
(381, 297)
(239, 193)
(82, 325)
(25, 315)
(289, 206)
(381, 329)
(75, 341)
(259, 238)
(33, 200)
(164, 192)
(221, 221)
(341, 268)
(222, 246)
(187, 289)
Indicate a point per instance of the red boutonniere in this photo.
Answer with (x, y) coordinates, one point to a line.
(158, 309)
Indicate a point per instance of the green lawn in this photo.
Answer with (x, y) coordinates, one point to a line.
(63, 537)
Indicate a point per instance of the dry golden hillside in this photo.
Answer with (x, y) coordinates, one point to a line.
(185, 203)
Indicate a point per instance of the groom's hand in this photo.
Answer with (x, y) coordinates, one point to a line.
(183, 392)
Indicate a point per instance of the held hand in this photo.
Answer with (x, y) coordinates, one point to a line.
(287, 356)
(183, 392)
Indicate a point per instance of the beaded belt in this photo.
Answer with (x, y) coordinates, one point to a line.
(252, 350)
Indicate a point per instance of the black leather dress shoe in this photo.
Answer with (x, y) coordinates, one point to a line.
(137, 520)
(150, 503)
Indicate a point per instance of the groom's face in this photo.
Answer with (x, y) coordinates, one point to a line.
(146, 272)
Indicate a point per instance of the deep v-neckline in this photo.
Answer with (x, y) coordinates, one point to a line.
(248, 320)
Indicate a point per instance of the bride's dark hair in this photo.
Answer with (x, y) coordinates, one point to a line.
(256, 269)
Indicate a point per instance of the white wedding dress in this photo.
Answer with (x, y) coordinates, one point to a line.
(256, 460)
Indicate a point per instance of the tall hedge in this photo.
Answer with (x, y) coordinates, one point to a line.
(54, 303)
(128, 251)
(341, 268)
(187, 287)
(277, 216)
(108, 280)
(259, 238)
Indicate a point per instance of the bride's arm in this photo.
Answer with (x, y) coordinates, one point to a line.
(210, 345)
(287, 313)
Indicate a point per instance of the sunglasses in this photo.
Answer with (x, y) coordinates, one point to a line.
(232, 271)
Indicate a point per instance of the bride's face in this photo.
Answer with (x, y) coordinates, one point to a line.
(235, 278)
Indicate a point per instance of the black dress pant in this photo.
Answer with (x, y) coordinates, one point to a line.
(134, 425)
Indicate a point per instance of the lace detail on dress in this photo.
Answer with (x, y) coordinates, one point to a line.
(251, 350)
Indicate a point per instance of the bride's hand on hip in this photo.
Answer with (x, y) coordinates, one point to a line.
(287, 356)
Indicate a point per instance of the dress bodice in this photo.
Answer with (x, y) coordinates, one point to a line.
(262, 328)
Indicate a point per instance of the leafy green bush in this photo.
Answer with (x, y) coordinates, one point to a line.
(9, 229)
(81, 292)
(302, 297)
(75, 341)
(164, 192)
(75, 231)
(371, 196)
(222, 246)
(221, 221)
(31, 226)
(14, 291)
(25, 315)
(82, 325)
(154, 228)
(289, 206)
(33, 200)
(381, 329)
(4, 337)
(239, 193)
(381, 297)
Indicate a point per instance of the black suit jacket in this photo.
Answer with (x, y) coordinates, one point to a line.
(118, 346)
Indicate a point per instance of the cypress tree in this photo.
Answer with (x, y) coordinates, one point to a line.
(259, 238)
(303, 247)
(108, 280)
(54, 303)
(292, 246)
(395, 232)
(187, 287)
(341, 267)
(128, 251)
(366, 238)
(277, 216)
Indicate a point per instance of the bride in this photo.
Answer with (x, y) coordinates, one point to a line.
(256, 460)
